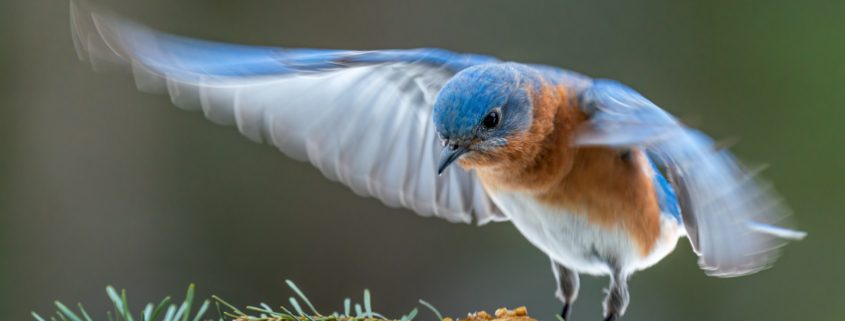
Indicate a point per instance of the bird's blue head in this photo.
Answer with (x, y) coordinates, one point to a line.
(481, 108)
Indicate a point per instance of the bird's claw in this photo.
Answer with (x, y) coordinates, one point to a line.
(564, 313)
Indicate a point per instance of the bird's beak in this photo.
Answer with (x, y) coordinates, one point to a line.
(448, 155)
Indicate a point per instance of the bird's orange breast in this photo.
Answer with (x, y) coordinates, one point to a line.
(611, 189)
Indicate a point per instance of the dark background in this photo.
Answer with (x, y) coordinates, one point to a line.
(100, 184)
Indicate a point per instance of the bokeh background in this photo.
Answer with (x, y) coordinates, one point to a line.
(100, 184)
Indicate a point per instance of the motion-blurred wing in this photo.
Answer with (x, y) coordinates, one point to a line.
(362, 118)
(728, 214)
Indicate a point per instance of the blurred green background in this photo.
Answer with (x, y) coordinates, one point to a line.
(100, 184)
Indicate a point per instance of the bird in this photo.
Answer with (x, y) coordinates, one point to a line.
(589, 171)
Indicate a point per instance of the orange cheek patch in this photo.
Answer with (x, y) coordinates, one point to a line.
(539, 158)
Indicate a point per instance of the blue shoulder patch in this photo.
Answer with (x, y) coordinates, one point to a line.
(666, 198)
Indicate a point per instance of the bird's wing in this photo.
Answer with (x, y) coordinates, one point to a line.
(362, 118)
(729, 215)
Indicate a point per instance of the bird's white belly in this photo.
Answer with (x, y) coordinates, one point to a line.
(572, 240)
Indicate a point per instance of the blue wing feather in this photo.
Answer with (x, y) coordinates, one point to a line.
(191, 57)
(666, 197)
(272, 96)
(728, 214)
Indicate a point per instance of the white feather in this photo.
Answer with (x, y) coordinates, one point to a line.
(367, 126)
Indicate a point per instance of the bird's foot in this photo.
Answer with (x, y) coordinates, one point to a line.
(564, 313)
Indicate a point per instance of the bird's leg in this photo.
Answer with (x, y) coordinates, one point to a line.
(567, 287)
(617, 296)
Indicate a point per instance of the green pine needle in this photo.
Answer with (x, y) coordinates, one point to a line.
(302, 296)
(347, 307)
(189, 299)
(432, 308)
(84, 313)
(166, 310)
(37, 317)
(368, 309)
(67, 312)
(410, 315)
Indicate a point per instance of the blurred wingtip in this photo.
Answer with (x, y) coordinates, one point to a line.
(777, 231)
(733, 273)
(742, 264)
(88, 39)
(81, 26)
(726, 143)
(98, 36)
(763, 248)
(74, 26)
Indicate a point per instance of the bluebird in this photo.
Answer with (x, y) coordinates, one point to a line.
(593, 174)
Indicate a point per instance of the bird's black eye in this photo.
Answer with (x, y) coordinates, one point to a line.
(491, 120)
